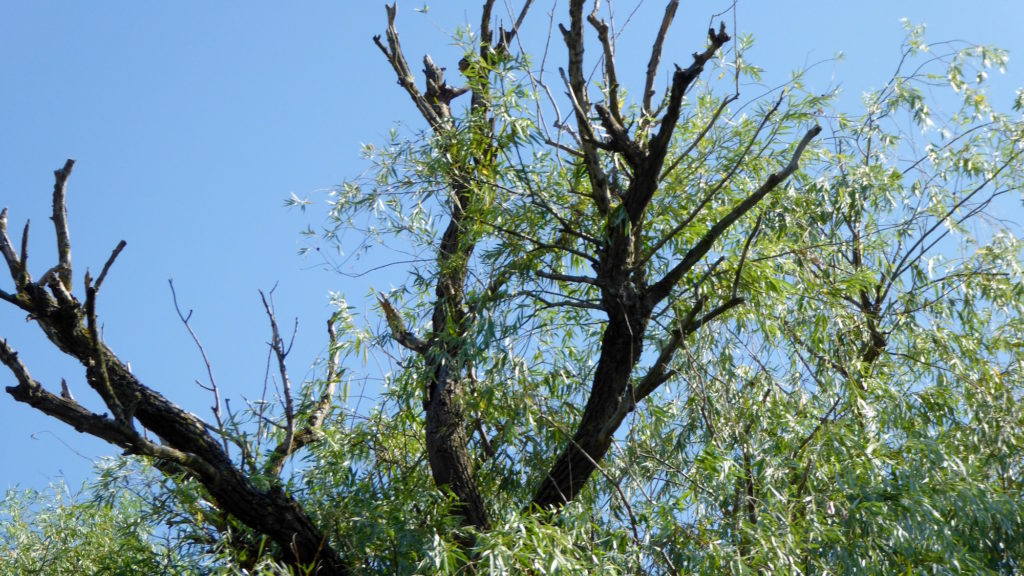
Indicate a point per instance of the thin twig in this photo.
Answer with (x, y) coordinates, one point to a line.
(110, 262)
(277, 345)
(700, 137)
(661, 289)
(721, 183)
(743, 255)
(202, 352)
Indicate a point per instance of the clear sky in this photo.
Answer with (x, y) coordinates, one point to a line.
(192, 121)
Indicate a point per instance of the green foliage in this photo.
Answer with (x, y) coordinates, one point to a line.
(54, 533)
(131, 520)
(782, 444)
(858, 414)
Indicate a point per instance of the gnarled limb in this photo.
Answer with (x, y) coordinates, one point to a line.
(186, 441)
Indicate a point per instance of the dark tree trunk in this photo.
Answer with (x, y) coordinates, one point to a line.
(620, 351)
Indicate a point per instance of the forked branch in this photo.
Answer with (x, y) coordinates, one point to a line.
(406, 79)
(276, 462)
(313, 430)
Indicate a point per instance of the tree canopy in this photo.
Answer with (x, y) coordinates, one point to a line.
(641, 331)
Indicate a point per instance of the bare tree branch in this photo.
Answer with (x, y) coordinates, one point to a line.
(567, 278)
(275, 465)
(60, 222)
(620, 140)
(110, 262)
(186, 440)
(24, 256)
(581, 103)
(13, 299)
(97, 364)
(681, 80)
(487, 37)
(508, 35)
(652, 65)
(406, 79)
(213, 388)
(645, 183)
(67, 410)
(611, 78)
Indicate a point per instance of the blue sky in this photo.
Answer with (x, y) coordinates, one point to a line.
(192, 121)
